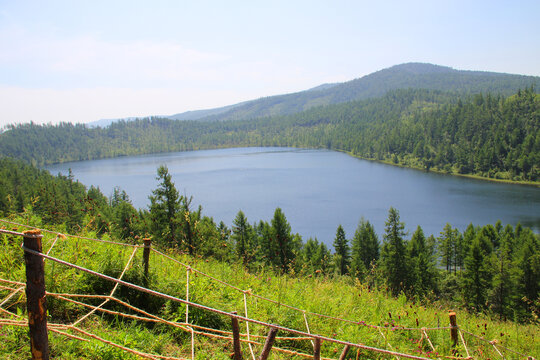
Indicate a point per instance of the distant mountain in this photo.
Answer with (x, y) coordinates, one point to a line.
(404, 76)
(107, 122)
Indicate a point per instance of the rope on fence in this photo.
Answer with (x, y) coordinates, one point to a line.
(245, 318)
(156, 319)
(464, 344)
(112, 292)
(247, 326)
(363, 323)
(249, 292)
(60, 234)
(489, 342)
(221, 312)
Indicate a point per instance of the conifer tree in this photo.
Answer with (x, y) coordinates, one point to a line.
(365, 247)
(422, 263)
(503, 287)
(281, 233)
(164, 207)
(527, 272)
(242, 236)
(393, 255)
(341, 247)
(478, 272)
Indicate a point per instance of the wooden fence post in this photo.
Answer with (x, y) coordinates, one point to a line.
(36, 302)
(146, 258)
(454, 329)
(268, 344)
(344, 352)
(317, 349)
(236, 337)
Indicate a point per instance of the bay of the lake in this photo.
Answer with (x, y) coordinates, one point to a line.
(316, 189)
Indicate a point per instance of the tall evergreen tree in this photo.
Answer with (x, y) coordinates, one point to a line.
(503, 289)
(164, 207)
(477, 276)
(365, 247)
(393, 255)
(527, 272)
(447, 247)
(281, 232)
(422, 263)
(341, 247)
(242, 237)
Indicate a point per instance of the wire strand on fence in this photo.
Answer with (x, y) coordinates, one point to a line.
(61, 234)
(221, 312)
(247, 327)
(191, 327)
(355, 322)
(488, 341)
(113, 290)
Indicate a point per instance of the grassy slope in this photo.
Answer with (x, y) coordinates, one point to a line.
(339, 297)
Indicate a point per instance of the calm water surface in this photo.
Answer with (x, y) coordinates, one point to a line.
(317, 189)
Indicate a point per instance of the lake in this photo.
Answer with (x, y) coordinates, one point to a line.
(317, 189)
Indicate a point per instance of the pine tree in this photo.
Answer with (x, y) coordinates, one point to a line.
(527, 271)
(393, 255)
(422, 263)
(164, 207)
(447, 247)
(478, 272)
(503, 287)
(281, 232)
(242, 237)
(365, 247)
(341, 247)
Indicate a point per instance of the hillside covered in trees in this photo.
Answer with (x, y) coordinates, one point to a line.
(377, 84)
(485, 135)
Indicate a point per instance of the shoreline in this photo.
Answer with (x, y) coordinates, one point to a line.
(436, 171)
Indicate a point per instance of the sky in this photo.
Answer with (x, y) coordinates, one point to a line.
(81, 61)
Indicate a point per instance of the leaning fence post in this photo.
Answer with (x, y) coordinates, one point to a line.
(344, 352)
(268, 344)
(146, 258)
(454, 329)
(236, 337)
(36, 302)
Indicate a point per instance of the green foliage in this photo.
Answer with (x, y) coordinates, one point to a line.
(421, 254)
(164, 208)
(365, 248)
(394, 261)
(482, 135)
(494, 268)
(342, 255)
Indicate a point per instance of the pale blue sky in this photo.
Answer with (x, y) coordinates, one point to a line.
(81, 61)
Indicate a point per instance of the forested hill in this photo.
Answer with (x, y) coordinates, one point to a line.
(404, 76)
(487, 135)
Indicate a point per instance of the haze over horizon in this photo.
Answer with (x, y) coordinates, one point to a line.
(81, 62)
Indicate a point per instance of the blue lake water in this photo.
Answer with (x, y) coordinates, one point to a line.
(317, 189)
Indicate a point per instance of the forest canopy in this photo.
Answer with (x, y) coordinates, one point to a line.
(485, 135)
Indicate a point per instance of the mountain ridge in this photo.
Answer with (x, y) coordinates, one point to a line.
(408, 75)
(412, 75)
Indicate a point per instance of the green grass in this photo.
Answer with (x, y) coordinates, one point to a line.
(340, 297)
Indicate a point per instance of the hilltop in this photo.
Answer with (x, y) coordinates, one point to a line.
(404, 76)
